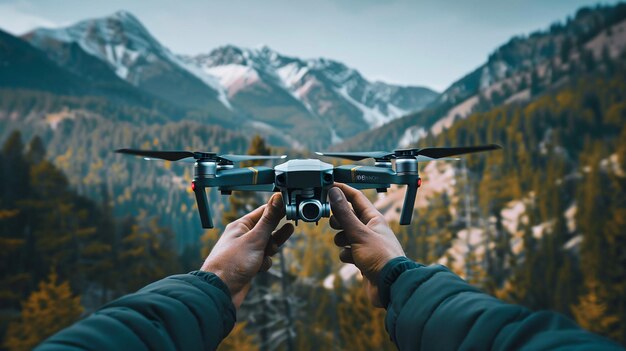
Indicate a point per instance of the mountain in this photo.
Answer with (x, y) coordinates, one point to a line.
(324, 89)
(295, 102)
(23, 67)
(127, 48)
(518, 71)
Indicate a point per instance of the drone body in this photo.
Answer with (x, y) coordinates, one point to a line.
(304, 183)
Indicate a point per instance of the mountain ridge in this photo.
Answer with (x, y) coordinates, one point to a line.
(517, 71)
(314, 101)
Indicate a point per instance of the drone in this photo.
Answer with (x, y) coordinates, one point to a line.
(304, 183)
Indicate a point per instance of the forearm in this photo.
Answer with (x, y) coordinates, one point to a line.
(186, 311)
(432, 308)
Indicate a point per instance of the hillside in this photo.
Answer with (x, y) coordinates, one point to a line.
(548, 206)
(517, 71)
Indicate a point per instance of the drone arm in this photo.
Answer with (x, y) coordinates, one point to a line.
(203, 206)
(242, 177)
(364, 176)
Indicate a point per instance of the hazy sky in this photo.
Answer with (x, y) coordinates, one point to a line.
(410, 42)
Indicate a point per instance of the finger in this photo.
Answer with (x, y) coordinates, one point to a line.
(341, 239)
(272, 214)
(251, 219)
(266, 265)
(278, 239)
(344, 214)
(345, 256)
(334, 223)
(363, 207)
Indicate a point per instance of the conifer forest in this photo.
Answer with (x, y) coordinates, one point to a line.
(541, 223)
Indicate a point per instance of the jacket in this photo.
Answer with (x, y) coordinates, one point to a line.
(431, 308)
(182, 312)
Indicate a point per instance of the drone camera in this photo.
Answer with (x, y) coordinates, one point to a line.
(312, 210)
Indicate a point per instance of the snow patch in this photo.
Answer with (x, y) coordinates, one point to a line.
(208, 79)
(291, 74)
(512, 214)
(466, 242)
(411, 136)
(611, 164)
(373, 117)
(234, 77)
(570, 217)
(347, 273)
(541, 229)
(394, 111)
(334, 137)
(573, 243)
(461, 110)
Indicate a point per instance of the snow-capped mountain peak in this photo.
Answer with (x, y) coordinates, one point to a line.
(122, 41)
(119, 39)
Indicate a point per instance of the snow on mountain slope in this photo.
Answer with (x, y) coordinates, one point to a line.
(320, 85)
(317, 101)
(121, 41)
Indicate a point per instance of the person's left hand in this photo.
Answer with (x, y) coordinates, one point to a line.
(245, 247)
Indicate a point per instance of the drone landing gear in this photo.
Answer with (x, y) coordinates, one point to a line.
(203, 205)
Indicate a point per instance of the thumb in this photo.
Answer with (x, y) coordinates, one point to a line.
(344, 214)
(274, 211)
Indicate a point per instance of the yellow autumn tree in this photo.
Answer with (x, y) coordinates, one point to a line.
(239, 340)
(592, 313)
(47, 310)
(361, 326)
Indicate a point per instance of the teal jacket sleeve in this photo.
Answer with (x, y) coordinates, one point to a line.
(431, 308)
(181, 312)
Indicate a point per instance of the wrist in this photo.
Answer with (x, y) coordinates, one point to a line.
(219, 273)
(212, 279)
(389, 274)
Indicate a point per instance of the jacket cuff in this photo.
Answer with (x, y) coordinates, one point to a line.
(212, 279)
(388, 275)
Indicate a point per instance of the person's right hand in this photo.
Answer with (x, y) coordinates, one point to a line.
(365, 237)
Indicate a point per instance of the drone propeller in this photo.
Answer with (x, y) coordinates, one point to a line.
(426, 154)
(422, 158)
(164, 155)
(440, 152)
(179, 155)
(239, 158)
(358, 156)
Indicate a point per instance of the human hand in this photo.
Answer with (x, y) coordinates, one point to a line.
(246, 246)
(365, 237)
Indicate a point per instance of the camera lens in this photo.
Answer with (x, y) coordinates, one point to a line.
(310, 210)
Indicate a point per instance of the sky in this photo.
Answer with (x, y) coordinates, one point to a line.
(409, 42)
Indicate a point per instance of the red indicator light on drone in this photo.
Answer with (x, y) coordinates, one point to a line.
(419, 182)
(193, 186)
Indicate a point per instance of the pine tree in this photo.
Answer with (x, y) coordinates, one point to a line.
(146, 253)
(49, 309)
